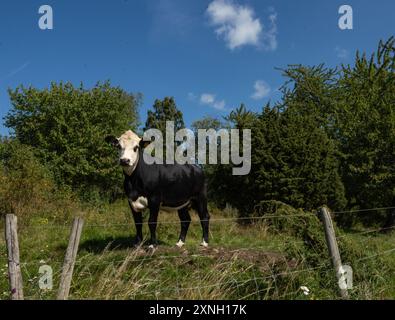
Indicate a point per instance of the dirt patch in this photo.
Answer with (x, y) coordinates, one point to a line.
(264, 260)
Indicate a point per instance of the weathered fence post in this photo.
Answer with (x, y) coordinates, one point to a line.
(14, 268)
(69, 260)
(332, 246)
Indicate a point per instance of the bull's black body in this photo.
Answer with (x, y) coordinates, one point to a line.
(168, 185)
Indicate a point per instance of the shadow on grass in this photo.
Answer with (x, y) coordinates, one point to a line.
(111, 243)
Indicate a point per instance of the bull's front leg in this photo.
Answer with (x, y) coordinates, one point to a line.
(152, 222)
(138, 222)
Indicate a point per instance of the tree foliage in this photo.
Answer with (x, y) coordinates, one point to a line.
(25, 183)
(293, 161)
(66, 126)
(164, 110)
(355, 105)
(330, 140)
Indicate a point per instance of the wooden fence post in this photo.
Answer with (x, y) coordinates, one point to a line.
(332, 246)
(14, 268)
(69, 260)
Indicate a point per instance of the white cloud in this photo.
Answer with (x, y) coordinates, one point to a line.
(219, 105)
(207, 98)
(238, 26)
(262, 90)
(210, 100)
(341, 53)
(235, 23)
(191, 96)
(270, 36)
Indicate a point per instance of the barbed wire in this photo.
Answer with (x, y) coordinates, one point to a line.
(376, 254)
(213, 255)
(266, 289)
(211, 220)
(209, 255)
(172, 221)
(243, 282)
(364, 210)
(364, 232)
(326, 264)
(152, 255)
(142, 259)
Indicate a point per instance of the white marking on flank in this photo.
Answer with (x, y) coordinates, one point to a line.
(174, 208)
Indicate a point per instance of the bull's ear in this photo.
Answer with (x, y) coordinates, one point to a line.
(112, 140)
(143, 143)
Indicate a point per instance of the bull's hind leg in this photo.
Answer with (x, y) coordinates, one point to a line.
(185, 219)
(201, 207)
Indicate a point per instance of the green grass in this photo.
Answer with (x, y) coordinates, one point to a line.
(259, 261)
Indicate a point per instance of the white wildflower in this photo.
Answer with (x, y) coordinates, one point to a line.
(306, 291)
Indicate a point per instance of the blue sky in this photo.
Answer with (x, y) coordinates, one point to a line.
(210, 55)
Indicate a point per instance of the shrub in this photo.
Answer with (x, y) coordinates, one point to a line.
(66, 126)
(27, 188)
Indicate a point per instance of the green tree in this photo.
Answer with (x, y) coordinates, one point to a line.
(227, 188)
(293, 161)
(355, 106)
(211, 170)
(207, 122)
(366, 130)
(25, 184)
(164, 110)
(66, 126)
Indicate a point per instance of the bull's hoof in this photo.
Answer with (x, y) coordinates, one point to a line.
(180, 243)
(204, 244)
(137, 242)
(153, 245)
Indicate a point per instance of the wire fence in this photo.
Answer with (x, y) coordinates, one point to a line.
(152, 255)
(233, 284)
(213, 220)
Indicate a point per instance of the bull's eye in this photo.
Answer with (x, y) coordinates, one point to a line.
(135, 148)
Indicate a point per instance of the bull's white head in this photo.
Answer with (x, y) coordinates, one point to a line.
(128, 145)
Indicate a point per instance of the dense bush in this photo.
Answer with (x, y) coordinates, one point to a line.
(355, 106)
(66, 127)
(330, 140)
(25, 184)
(293, 161)
(27, 187)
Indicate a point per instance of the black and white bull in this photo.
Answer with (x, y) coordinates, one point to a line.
(166, 187)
